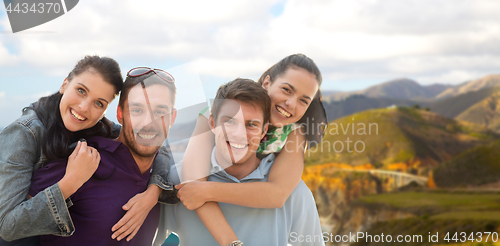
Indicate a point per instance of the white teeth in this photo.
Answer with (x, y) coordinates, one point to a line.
(77, 116)
(147, 136)
(237, 146)
(283, 112)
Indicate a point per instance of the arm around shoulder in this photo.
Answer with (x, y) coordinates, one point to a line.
(196, 162)
(285, 174)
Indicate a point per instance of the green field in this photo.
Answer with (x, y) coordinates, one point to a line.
(441, 212)
(441, 203)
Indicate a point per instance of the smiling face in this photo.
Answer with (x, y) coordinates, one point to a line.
(291, 93)
(238, 130)
(84, 100)
(146, 119)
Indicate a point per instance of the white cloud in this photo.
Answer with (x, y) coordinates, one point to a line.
(11, 106)
(348, 39)
(454, 76)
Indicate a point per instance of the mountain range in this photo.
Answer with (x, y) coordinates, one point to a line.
(408, 89)
(405, 136)
(450, 101)
(399, 88)
(453, 130)
(473, 85)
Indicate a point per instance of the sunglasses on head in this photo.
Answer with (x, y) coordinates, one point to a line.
(139, 71)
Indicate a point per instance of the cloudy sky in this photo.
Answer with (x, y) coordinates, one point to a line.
(355, 43)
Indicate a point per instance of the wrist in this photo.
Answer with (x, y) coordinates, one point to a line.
(67, 187)
(209, 194)
(154, 190)
(235, 243)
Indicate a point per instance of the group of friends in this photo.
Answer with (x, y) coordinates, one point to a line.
(70, 176)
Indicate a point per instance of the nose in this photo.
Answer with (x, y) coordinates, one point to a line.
(84, 105)
(239, 132)
(146, 119)
(291, 102)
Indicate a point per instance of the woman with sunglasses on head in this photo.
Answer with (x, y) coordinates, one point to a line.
(296, 118)
(45, 132)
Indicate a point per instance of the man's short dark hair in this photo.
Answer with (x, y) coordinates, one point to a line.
(148, 79)
(243, 90)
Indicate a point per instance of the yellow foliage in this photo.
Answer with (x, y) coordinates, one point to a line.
(430, 182)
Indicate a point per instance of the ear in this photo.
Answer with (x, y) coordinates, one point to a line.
(173, 116)
(211, 123)
(119, 114)
(267, 82)
(63, 86)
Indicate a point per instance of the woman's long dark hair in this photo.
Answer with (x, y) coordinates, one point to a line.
(57, 138)
(314, 119)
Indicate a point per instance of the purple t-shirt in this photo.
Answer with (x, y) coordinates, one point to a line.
(97, 205)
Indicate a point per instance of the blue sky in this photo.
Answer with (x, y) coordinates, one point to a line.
(355, 43)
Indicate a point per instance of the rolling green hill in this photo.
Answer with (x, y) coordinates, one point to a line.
(476, 166)
(393, 135)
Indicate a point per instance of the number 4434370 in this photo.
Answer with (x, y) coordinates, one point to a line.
(473, 236)
(34, 8)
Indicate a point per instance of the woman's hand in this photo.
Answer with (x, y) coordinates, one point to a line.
(137, 208)
(82, 164)
(193, 194)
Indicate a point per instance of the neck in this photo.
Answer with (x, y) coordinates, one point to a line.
(144, 163)
(238, 170)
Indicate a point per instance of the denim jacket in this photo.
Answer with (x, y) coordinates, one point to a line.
(47, 212)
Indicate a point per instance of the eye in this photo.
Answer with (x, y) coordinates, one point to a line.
(99, 104)
(251, 124)
(229, 121)
(304, 101)
(81, 91)
(286, 90)
(136, 110)
(160, 113)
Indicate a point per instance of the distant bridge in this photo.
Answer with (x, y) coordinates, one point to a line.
(398, 179)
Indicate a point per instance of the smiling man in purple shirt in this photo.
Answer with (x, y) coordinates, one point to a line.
(146, 112)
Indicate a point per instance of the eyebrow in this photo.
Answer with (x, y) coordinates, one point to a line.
(293, 89)
(133, 104)
(232, 117)
(86, 88)
(137, 104)
(254, 121)
(163, 106)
